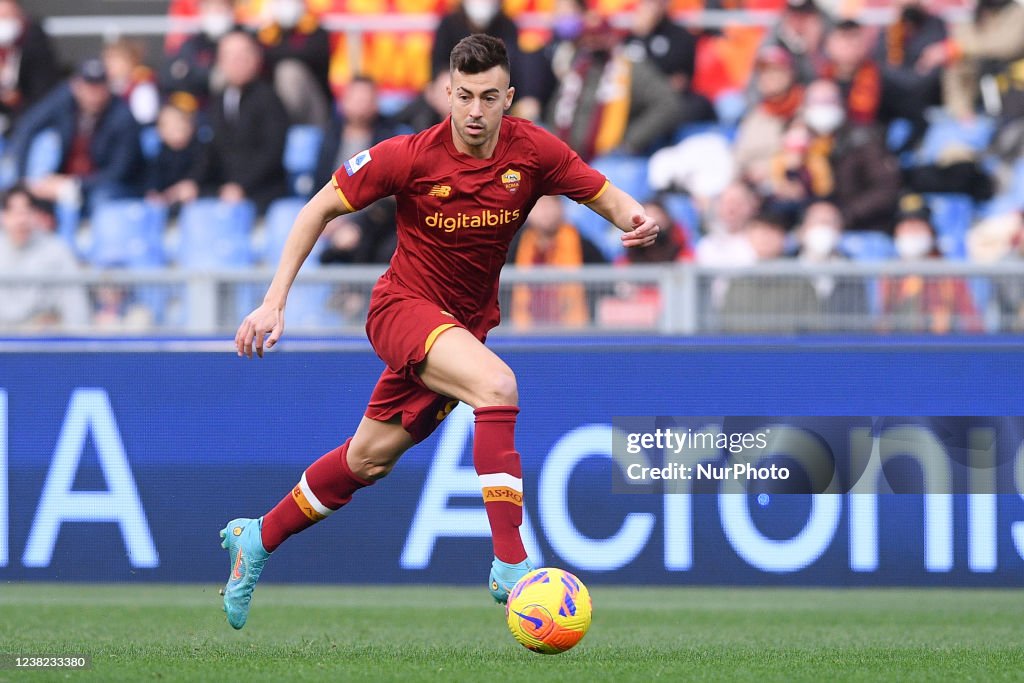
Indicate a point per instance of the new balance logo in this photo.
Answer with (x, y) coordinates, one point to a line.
(442, 191)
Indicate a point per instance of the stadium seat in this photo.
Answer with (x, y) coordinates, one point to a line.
(730, 106)
(215, 234)
(68, 219)
(945, 132)
(301, 152)
(149, 141)
(280, 217)
(626, 172)
(868, 246)
(951, 215)
(44, 154)
(129, 233)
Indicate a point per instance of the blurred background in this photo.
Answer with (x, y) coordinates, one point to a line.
(840, 186)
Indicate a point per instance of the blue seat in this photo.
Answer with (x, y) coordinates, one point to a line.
(44, 154)
(945, 132)
(628, 173)
(868, 246)
(280, 217)
(951, 215)
(149, 141)
(301, 152)
(730, 106)
(128, 232)
(68, 218)
(215, 234)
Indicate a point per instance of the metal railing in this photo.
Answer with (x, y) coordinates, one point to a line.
(786, 297)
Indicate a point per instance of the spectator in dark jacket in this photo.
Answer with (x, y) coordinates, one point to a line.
(801, 29)
(487, 16)
(297, 55)
(673, 50)
(851, 66)
(100, 157)
(866, 177)
(429, 108)
(191, 68)
(359, 126)
(607, 102)
(28, 67)
(906, 91)
(169, 171)
(244, 158)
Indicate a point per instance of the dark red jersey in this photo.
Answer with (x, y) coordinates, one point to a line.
(457, 214)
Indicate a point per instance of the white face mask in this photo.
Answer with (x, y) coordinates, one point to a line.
(820, 240)
(480, 12)
(824, 118)
(914, 246)
(288, 12)
(216, 24)
(10, 31)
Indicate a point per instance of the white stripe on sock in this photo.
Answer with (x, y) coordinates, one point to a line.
(311, 497)
(501, 479)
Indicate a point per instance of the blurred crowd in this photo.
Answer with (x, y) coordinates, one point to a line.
(902, 141)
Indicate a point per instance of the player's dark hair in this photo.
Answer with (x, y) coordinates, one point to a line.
(479, 52)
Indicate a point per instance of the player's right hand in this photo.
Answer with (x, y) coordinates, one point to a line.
(264, 320)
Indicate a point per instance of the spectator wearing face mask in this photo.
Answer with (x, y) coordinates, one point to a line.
(850, 65)
(755, 303)
(917, 303)
(28, 67)
(487, 16)
(866, 177)
(842, 300)
(192, 67)
(297, 56)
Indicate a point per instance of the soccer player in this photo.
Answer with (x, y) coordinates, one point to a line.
(463, 188)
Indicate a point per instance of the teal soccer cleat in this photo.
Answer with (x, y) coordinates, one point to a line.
(504, 577)
(241, 538)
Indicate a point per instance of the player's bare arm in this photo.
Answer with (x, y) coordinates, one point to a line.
(325, 206)
(627, 215)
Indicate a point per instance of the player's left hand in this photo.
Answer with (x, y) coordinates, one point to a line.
(644, 232)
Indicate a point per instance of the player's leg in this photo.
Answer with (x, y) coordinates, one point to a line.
(324, 487)
(459, 365)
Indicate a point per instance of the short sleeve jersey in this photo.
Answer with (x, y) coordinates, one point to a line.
(457, 214)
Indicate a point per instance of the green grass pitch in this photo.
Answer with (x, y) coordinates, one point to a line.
(411, 633)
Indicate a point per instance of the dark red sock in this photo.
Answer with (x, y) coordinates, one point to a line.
(501, 478)
(325, 486)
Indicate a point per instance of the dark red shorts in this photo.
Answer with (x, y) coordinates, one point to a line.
(401, 329)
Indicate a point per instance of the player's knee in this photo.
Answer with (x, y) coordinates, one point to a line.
(371, 470)
(373, 460)
(499, 388)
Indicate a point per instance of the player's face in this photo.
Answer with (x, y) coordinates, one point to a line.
(478, 102)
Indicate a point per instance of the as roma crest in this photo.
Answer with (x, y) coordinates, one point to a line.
(510, 179)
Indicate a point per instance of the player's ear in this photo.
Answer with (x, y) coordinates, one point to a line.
(509, 94)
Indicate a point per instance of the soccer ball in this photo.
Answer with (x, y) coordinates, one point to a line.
(549, 611)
